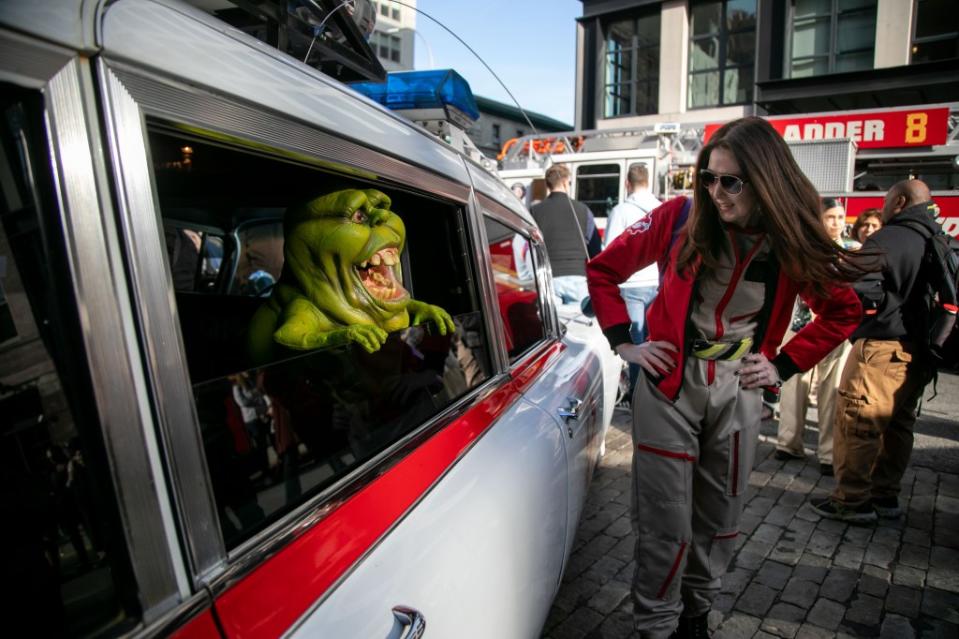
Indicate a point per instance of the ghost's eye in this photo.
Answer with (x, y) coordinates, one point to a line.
(359, 217)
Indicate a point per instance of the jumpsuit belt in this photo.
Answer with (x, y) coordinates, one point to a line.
(726, 351)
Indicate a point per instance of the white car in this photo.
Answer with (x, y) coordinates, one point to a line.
(181, 204)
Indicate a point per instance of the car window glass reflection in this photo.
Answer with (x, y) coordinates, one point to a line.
(511, 255)
(65, 562)
(345, 315)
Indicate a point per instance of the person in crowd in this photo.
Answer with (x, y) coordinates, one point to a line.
(569, 233)
(887, 369)
(868, 222)
(640, 289)
(752, 242)
(794, 400)
(519, 191)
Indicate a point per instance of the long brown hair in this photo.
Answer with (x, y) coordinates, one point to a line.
(789, 210)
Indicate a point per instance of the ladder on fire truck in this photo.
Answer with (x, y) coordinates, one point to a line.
(675, 142)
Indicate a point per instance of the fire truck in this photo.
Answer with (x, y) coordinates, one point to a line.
(854, 156)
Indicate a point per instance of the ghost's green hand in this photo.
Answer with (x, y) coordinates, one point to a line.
(423, 312)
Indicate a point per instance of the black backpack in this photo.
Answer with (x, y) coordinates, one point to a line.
(939, 277)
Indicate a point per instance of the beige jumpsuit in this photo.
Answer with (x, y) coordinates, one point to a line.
(693, 455)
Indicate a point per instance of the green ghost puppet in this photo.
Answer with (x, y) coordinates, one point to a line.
(342, 278)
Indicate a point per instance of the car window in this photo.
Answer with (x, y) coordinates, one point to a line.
(304, 367)
(512, 258)
(66, 558)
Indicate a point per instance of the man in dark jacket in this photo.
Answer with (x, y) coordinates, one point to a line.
(569, 233)
(888, 367)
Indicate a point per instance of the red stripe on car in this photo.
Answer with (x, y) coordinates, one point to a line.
(524, 374)
(200, 627)
(268, 601)
(666, 453)
(672, 572)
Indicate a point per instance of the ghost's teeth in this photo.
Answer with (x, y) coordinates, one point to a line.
(388, 258)
(375, 260)
(364, 264)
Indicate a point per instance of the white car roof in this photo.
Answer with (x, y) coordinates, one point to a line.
(165, 35)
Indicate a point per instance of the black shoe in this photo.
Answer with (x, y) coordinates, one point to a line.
(887, 507)
(692, 628)
(784, 455)
(825, 470)
(862, 514)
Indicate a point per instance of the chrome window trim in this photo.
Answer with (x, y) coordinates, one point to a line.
(30, 63)
(493, 322)
(106, 319)
(166, 625)
(504, 216)
(132, 97)
(544, 278)
(267, 543)
(247, 122)
(493, 187)
(158, 324)
(544, 281)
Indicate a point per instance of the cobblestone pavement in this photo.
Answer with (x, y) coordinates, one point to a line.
(795, 574)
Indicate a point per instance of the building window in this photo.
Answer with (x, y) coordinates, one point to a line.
(496, 133)
(384, 11)
(631, 66)
(832, 36)
(394, 48)
(722, 48)
(936, 35)
(396, 13)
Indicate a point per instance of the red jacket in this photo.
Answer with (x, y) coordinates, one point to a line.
(837, 315)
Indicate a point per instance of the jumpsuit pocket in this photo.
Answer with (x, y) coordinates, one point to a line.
(662, 473)
(722, 547)
(659, 567)
(737, 474)
(852, 409)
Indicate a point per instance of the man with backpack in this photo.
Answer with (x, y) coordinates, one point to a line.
(890, 362)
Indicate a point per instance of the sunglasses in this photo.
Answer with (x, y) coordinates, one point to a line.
(730, 183)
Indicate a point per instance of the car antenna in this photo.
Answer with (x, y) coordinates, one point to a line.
(478, 57)
(318, 29)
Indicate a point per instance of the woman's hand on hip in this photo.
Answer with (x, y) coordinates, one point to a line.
(757, 371)
(656, 358)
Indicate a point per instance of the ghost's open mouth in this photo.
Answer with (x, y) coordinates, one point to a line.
(378, 274)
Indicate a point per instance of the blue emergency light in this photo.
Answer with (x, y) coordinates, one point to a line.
(432, 89)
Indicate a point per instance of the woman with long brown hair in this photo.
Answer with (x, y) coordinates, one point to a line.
(753, 240)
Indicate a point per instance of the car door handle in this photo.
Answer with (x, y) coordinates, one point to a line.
(572, 408)
(411, 619)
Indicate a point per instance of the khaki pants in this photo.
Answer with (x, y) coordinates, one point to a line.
(876, 412)
(691, 469)
(795, 403)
